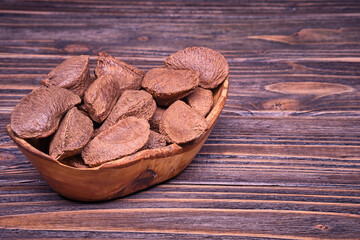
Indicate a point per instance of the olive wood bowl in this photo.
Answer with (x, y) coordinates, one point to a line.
(122, 176)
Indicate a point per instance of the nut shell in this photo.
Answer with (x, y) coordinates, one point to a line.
(38, 114)
(138, 103)
(156, 119)
(182, 124)
(156, 140)
(168, 85)
(74, 132)
(72, 74)
(201, 100)
(101, 97)
(128, 77)
(211, 65)
(124, 138)
(74, 161)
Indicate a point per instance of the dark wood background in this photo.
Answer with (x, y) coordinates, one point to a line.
(283, 161)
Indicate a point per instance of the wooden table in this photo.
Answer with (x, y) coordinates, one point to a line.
(283, 161)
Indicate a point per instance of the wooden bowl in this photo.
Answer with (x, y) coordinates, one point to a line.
(123, 176)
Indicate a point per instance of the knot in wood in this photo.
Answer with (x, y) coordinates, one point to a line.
(322, 227)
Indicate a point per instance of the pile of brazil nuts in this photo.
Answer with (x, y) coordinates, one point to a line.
(122, 110)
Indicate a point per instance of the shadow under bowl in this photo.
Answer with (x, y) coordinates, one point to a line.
(122, 176)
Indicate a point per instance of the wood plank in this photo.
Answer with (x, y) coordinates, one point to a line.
(282, 161)
(210, 221)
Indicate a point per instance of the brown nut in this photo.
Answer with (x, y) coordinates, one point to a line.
(201, 100)
(181, 123)
(168, 85)
(156, 118)
(74, 161)
(72, 74)
(101, 97)
(38, 114)
(74, 132)
(211, 65)
(156, 140)
(138, 103)
(129, 77)
(124, 138)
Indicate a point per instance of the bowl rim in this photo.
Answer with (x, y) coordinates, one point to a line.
(167, 151)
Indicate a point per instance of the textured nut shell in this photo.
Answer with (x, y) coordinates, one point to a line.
(72, 74)
(211, 65)
(101, 97)
(74, 161)
(156, 140)
(138, 103)
(168, 85)
(201, 100)
(74, 132)
(124, 138)
(156, 118)
(181, 123)
(38, 114)
(128, 77)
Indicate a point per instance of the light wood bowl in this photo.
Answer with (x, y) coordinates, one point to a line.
(123, 176)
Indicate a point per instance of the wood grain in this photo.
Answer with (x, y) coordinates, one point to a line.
(283, 160)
